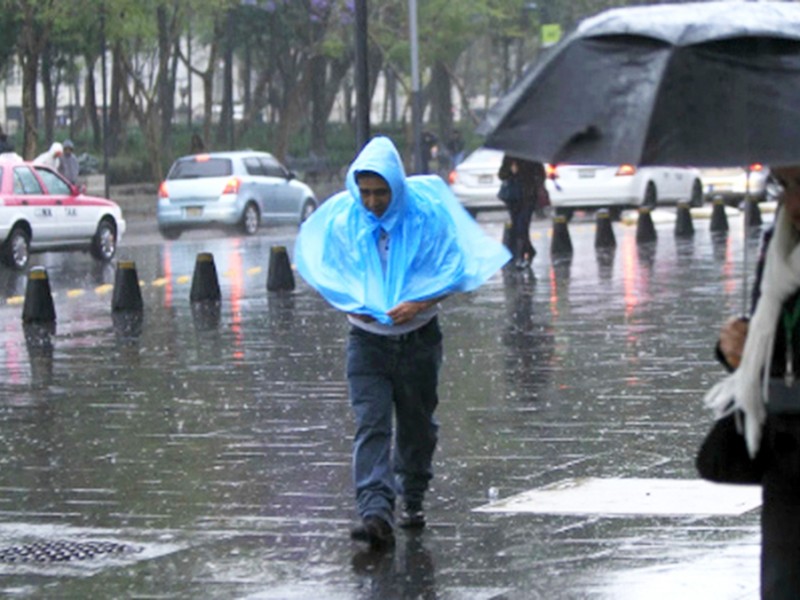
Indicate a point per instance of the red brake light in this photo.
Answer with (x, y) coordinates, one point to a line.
(755, 167)
(232, 186)
(551, 170)
(626, 170)
(451, 177)
(162, 190)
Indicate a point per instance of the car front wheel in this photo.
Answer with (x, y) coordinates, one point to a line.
(16, 249)
(250, 219)
(104, 242)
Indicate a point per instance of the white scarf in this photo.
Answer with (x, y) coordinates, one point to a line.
(747, 387)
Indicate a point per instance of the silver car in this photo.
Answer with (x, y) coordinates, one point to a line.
(240, 189)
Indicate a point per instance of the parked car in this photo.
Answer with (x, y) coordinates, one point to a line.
(732, 183)
(615, 187)
(474, 181)
(240, 189)
(41, 211)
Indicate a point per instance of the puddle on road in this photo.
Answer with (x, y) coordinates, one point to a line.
(615, 497)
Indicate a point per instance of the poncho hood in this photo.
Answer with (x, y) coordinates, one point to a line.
(435, 246)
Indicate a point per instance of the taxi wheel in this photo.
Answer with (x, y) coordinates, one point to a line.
(16, 249)
(104, 242)
(250, 219)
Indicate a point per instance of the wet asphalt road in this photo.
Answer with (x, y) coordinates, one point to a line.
(214, 449)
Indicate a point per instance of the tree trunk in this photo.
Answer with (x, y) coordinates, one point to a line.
(441, 101)
(225, 129)
(49, 95)
(115, 118)
(90, 103)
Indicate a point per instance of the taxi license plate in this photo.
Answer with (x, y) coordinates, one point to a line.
(194, 211)
(585, 173)
(485, 179)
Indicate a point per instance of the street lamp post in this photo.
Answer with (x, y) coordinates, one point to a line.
(361, 75)
(416, 99)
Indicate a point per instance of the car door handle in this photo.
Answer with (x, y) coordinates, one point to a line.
(24, 203)
(59, 203)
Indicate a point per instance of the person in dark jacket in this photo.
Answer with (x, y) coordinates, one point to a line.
(767, 345)
(530, 177)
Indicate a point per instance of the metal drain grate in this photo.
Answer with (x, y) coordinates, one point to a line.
(62, 551)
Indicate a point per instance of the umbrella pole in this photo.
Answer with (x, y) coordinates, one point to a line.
(744, 261)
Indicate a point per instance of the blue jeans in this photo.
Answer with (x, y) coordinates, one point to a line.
(385, 375)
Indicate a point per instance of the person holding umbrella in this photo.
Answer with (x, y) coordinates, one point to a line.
(528, 178)
(767, 345)
(386, 251)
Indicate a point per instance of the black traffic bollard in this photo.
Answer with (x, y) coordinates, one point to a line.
(561, 243)
(645, 230)
(683, 224)
(205, 285)
(280, 276)
(38, 307)
(752, 214)
(719, 220)
(604, 233)
(127, 294)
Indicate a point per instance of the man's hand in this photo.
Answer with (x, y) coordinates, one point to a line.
(405, 311)
(731, 340)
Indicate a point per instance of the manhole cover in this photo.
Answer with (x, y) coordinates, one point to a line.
(62, 551)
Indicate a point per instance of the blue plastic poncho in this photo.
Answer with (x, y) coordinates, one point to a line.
(436, 247)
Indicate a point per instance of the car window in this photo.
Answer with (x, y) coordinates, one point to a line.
(254, 166)
(25, 181)
(273, 168)
(54, 183)
(201, 166)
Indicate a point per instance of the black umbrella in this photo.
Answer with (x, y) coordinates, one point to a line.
(701, 84)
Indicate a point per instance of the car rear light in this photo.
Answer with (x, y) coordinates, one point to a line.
(162, 190)
(755, 167)
(551, 170)
(451, 178)
(232, 186)
(626, 170)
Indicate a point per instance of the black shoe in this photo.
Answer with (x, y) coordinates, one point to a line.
(412, 517)
(375, 531)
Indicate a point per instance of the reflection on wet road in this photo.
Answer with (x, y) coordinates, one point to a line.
(218, 442)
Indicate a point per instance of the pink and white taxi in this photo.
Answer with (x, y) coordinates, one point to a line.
(40, 211)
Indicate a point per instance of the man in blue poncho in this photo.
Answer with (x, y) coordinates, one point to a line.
(386, 251)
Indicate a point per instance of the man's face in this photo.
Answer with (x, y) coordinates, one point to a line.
(789, 179)
(375, 193)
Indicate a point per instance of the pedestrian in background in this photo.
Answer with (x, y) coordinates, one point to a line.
(527, 178)
(386, 252)
(5, 144)
(196, 146)
(68, 166)
(764, 354)
(52, 157)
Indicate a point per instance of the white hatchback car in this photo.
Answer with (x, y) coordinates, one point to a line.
(573, 187)
(240, 189)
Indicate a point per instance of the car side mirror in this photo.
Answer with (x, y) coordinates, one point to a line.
(290, 175)
(77, 189)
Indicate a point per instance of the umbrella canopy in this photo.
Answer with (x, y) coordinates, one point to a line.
(701, 84)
